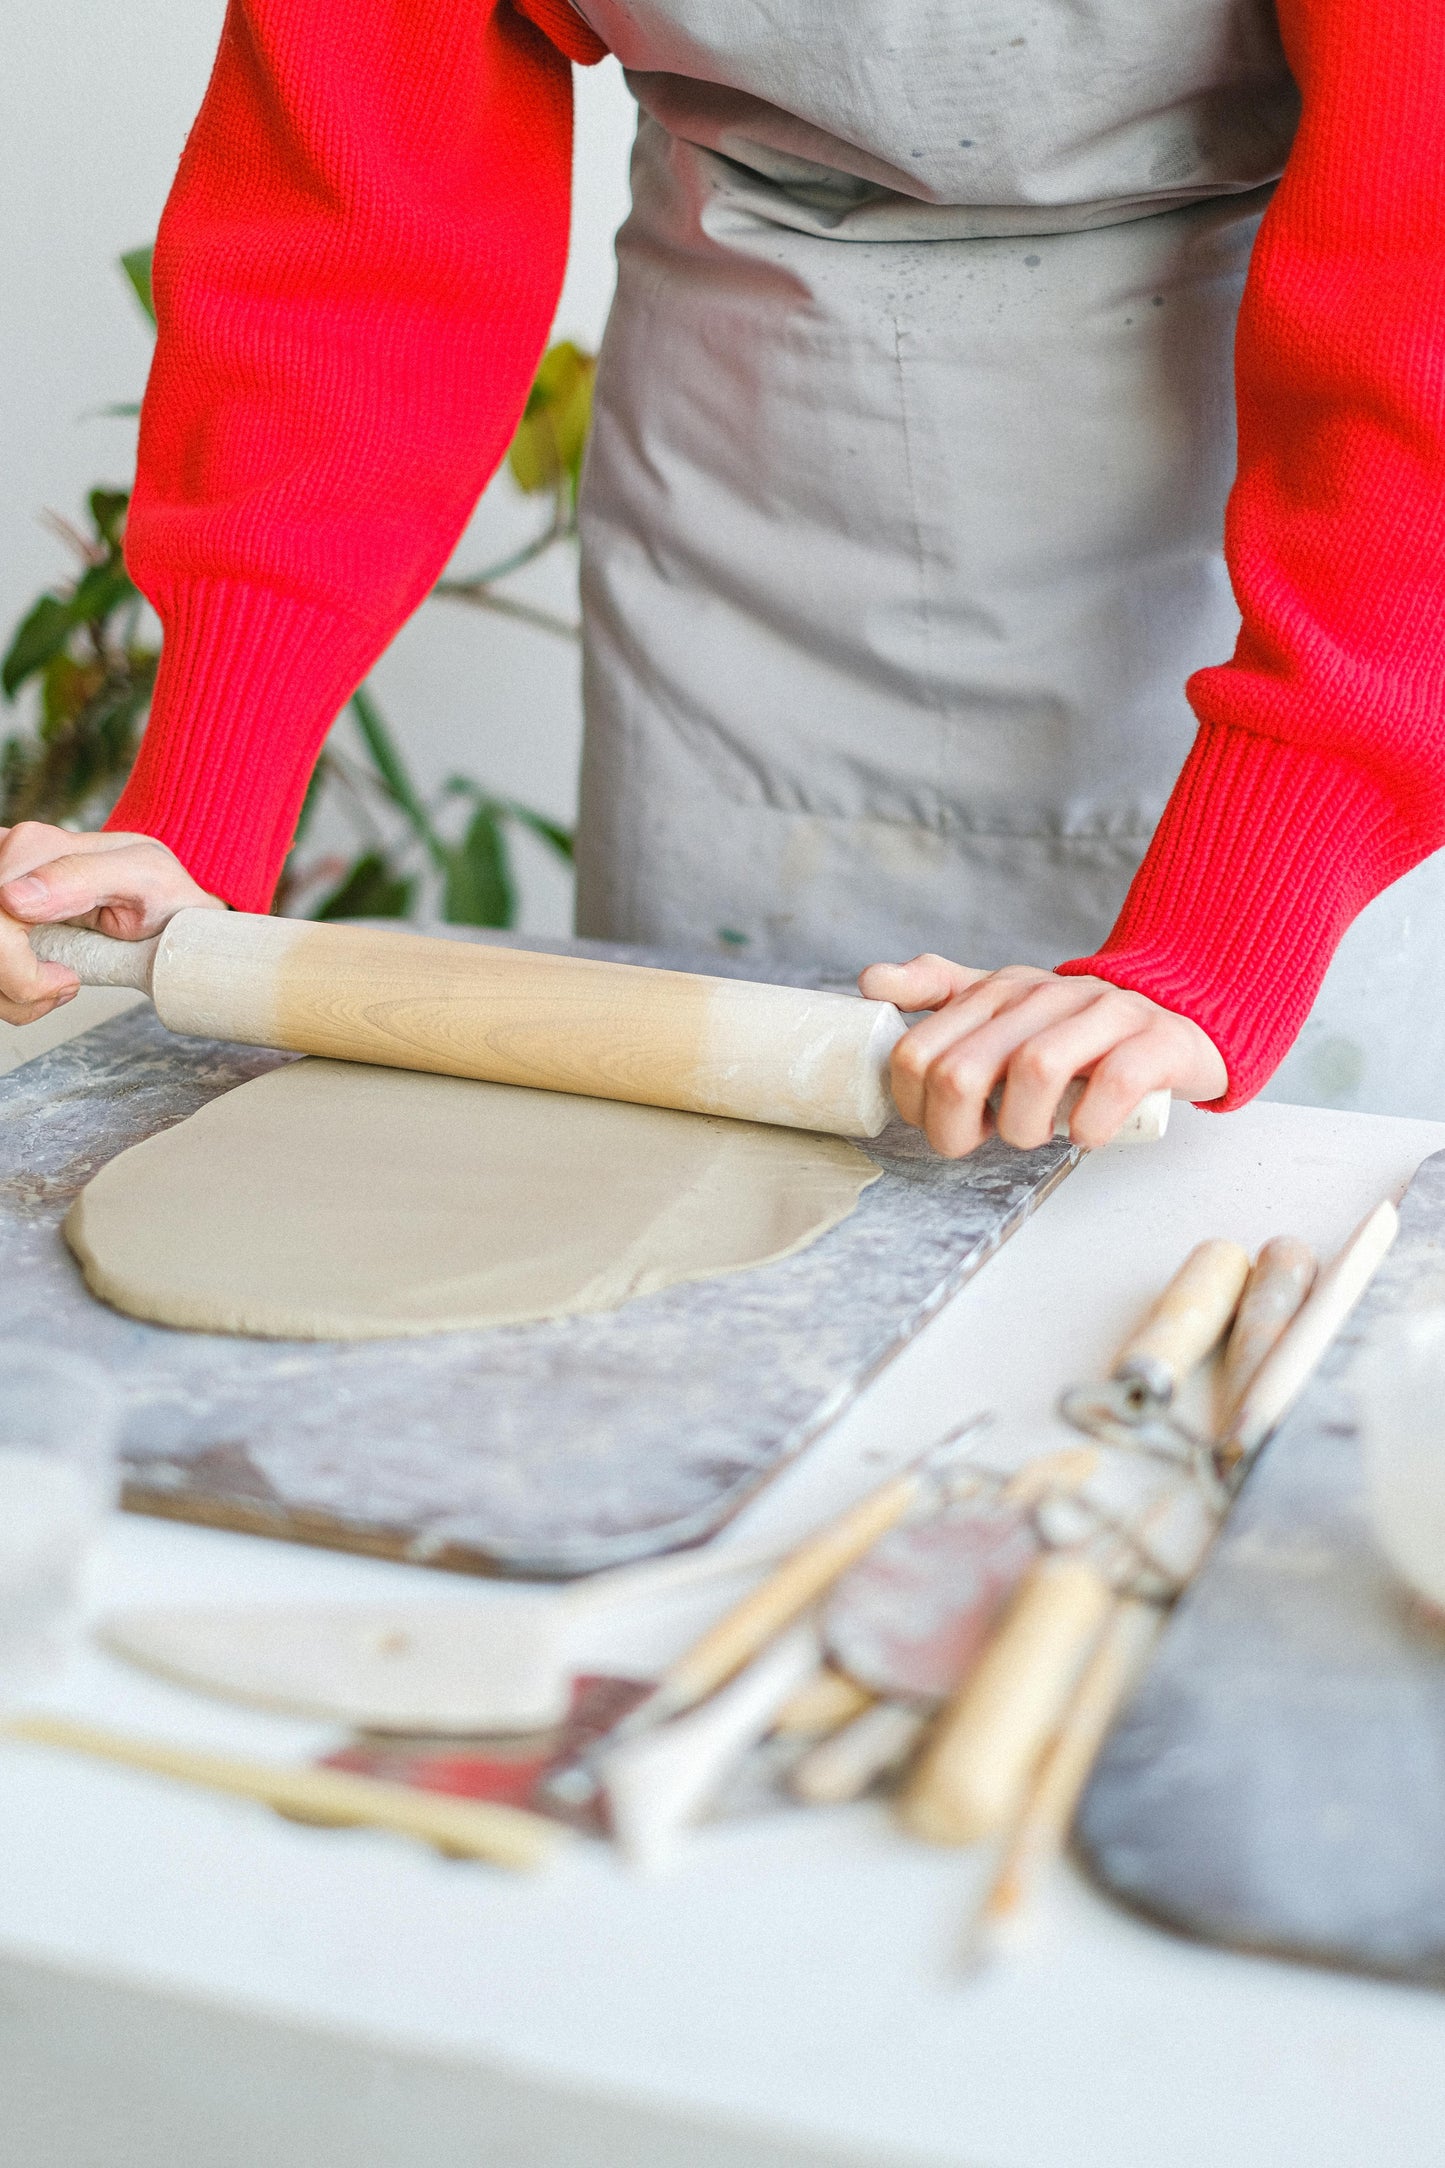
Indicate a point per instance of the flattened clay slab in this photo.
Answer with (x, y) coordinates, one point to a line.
(332, 1201)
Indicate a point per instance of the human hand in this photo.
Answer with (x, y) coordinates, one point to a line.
(124, 885)
(1033, 1032)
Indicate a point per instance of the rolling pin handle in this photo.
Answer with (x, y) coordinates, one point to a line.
(95, 959)
(1146, 1125)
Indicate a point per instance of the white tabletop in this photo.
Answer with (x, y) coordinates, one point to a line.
(189, 1978)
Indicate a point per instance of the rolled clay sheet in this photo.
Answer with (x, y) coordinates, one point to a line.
(328, 1200)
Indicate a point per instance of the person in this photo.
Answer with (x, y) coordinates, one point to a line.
(904, 521)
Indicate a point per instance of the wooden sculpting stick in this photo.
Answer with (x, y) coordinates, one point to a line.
(1296, 1355)
(985, 1747)
(1041, 1827)
(782, 1054)
(469, 1828)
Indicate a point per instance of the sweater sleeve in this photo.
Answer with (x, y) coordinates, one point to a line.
(354, 277)
(1318, 774)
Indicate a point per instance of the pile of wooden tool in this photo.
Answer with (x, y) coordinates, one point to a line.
(965, 1636)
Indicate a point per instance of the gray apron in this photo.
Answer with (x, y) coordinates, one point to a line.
(902, 515)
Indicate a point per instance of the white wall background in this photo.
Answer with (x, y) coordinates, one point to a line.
(95, 100)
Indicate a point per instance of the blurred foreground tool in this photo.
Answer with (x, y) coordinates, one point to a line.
(1280, 1279)
(503, 1836)
(1041, 1827)
(986, 1745)
(1180, 1329)
(1291, 1363)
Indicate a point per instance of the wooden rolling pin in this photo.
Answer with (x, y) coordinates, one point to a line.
(780, 1054)
(789, 1055)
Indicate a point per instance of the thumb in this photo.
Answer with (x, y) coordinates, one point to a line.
(925, 983)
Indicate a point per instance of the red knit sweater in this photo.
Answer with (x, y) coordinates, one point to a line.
(355, 275)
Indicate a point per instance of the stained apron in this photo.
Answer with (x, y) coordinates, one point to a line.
(902, 516)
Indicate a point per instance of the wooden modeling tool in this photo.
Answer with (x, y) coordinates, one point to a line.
(745, 1631)
(1280, 1278)
(793, 1056)
(911, 1619)
(468, 1829)
(986, 1745)
(782, 1599)
(1296, 1355)
(822, 1705)
(1181, 1328)
(872, 1748)
(1041, 1826)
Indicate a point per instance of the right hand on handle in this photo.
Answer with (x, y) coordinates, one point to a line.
(128, 886)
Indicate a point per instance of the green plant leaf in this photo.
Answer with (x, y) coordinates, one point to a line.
(369, 889)
(552, 434)
(108, 509)
(39, 638)
(395, 779)
(552, 833)
(478, 889)
(314, 789)
(136, 264)
(99, 591)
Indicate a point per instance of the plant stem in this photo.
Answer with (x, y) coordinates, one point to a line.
(392, 769)
(468, 583)
(564, 628)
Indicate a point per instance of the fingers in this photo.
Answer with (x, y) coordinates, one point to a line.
(925, 983)
(1173, 1053)
(33, 843)
(29, 989)
(1035, 1032)
(1105, 1023)
(945, 1068)
(124, 885)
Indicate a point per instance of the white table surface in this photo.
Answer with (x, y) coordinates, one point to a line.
(189, 1979)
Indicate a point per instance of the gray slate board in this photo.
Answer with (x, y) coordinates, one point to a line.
(553, 1448)
(1278, 1782)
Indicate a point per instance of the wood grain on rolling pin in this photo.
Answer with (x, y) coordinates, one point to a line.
(986, 1745)
(558, 1023)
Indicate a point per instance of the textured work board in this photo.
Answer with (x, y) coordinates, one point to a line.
(1278, 1782)
(556, 1447)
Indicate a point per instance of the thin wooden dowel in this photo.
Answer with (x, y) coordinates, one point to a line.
(471, 1829)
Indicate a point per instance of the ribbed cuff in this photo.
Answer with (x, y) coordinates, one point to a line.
(249, 684)
(1264, 855)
